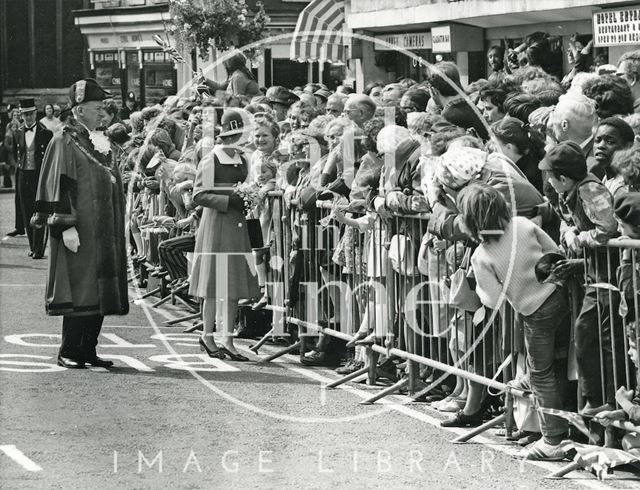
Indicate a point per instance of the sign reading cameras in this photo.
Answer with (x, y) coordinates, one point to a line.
(617, 27)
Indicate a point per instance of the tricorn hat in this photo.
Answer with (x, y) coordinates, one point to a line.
(27, 105)
(87, 90)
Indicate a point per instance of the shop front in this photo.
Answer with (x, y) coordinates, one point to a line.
(124, 57)
(463, 31)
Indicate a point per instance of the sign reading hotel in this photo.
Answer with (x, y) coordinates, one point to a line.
(414, 40)
(441, 39)
(616, 27)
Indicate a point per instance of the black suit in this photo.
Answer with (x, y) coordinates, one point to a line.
(27, 181)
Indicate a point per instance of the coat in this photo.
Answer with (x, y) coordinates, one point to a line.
(85, 187)
(41, 141)
(222, 230)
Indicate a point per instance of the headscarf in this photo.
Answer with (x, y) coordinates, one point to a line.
(458, 166)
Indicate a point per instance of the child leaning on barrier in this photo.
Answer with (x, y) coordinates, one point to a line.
(586, 209)
(504, 267)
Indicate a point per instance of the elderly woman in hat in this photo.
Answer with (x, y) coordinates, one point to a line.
(221, 270)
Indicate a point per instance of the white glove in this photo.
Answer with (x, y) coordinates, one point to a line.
(71, 239)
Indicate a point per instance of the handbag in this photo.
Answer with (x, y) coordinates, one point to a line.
(402, 254)
(461, 295)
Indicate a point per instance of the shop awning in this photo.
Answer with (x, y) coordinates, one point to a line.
(318, 34)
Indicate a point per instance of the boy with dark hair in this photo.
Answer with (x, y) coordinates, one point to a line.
(586, 208)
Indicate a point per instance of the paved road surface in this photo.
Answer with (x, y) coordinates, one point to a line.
(149, 423)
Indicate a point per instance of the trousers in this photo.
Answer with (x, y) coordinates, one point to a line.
(28, 187)
(80, 336)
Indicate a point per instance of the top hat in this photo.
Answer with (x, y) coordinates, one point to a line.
(27, 105)
(87, 90)
(233, 122)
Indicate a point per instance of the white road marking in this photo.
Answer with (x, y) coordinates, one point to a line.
(9, 285)
(20, 458)
(390, 405)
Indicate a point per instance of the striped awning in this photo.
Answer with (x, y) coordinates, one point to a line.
(318, 34)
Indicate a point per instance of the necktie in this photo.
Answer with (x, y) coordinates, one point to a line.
(32, 128)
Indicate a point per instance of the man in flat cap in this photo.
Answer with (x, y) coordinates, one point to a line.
(81, 199)
(29, 145)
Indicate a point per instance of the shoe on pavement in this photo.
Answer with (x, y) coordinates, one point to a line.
(463, 420)
(37, 256)
(387, 370)
(351, 367)
(314, 359)
(16, 233)
(100, 362)
(69, 363)
(543, 451)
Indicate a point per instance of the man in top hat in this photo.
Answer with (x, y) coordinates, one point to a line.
(130, 105)
(280, 99)
(29, 145)
(81, 199)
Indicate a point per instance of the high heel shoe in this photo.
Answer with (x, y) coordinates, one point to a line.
(216, 354)
(234, 356)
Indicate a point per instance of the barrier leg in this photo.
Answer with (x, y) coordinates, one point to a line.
(479, 430)
(162, 301)
(387, 391)
(372, 359)
(282, 352)
(186, 304)
(565, 470)
(183, 319)
(348, 377)
(150, 293)
(196, 327)
(261, 342)
(509, 423)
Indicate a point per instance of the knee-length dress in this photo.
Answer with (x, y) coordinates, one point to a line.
(222, 231)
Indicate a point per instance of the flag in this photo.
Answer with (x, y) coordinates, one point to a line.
(573, 418)
(167, 48)
(599, 460)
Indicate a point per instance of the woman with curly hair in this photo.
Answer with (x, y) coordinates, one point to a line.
(627, 164)
(611, 93)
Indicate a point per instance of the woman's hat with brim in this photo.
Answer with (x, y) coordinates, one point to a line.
(234, 121)
(281, 95)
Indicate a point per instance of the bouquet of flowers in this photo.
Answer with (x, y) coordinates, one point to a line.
(250, 194)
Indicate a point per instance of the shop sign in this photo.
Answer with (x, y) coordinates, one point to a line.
(413, 40)
(441, 39)
(617, 27)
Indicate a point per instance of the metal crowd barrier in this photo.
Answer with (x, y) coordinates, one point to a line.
(387, 279)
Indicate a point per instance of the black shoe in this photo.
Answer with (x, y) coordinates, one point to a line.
(462, 420)
(351, 367)
(234, 356)
(16, 233)
(70, 363)
(99, 362)
(315, 359)
(37, 256)
(216, 354)
(30, 254)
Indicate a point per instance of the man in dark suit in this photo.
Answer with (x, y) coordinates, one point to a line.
(30, 142)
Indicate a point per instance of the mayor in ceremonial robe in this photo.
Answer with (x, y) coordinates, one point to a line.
(81, 199)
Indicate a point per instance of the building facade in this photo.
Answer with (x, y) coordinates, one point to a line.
(41, 50)
(463, 30)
